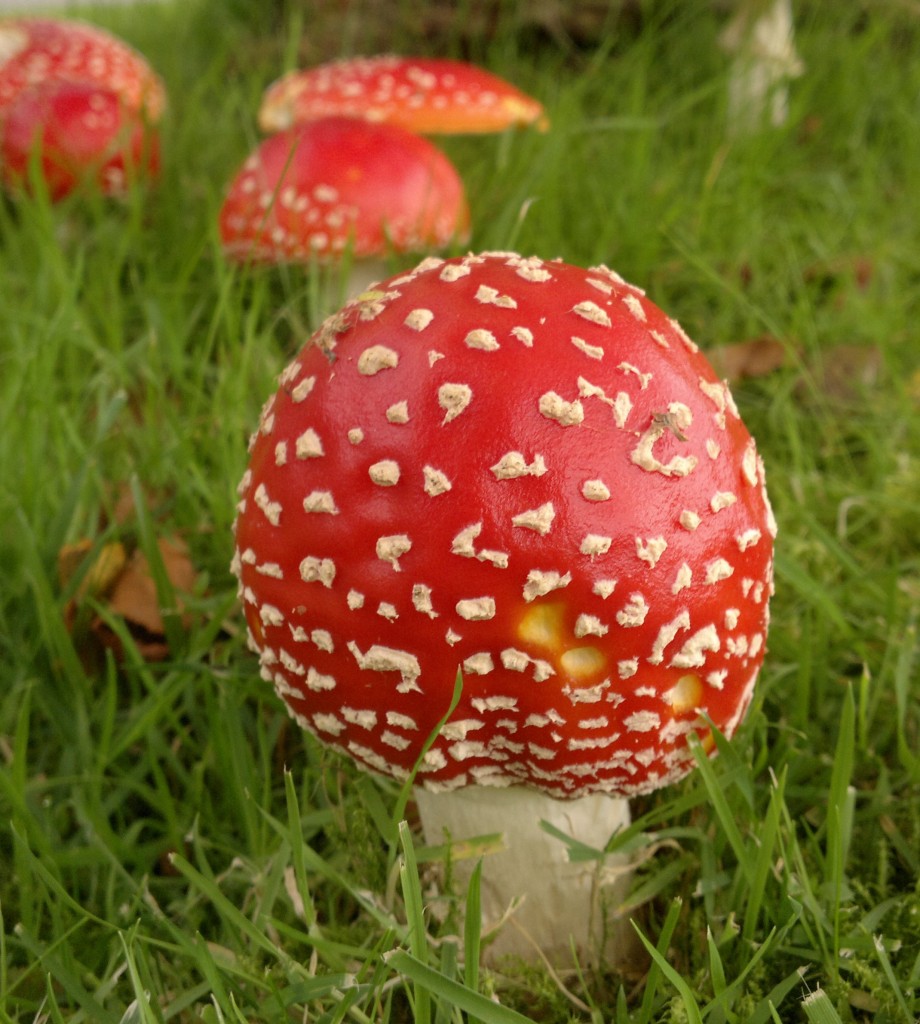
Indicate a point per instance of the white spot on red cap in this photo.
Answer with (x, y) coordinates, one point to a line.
(479, 664)
(595, 490)
(392, 547)
(683, 579)
(748, 538)
(376, 358)
(643, 721)
(650, 549)
(523, 335)
(317, 570)
(320, 501)
(398, 412)
(401, 721)
(384, 473)
(308, 445)
(270, 509)
(592, 311)
(721, 500)
(634, 612)
(539, 519)
(490, 296)
(635, 307)
(319, 681)
(643, 454)
(666, 634)
(421, 600)
(689, 520)
(591, 351)
(717, 570)
(540, 583)
(481, 339)
(476, 609)
(454, 399)
(590, 625)
(394, 740)
(436, 481)
(627, 668)
(419, 319)
(693, 653)
(379, 658)
(594, 544)
(513, 464)
(555, 407)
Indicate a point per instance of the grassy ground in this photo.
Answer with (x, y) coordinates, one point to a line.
(157, 861)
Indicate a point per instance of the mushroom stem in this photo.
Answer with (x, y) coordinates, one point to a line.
(761, 38)
(562, 902)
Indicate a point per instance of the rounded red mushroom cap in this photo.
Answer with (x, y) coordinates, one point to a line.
(527, 470)
(422, 94)
(341, 183)
(79, 132)
(37, 50)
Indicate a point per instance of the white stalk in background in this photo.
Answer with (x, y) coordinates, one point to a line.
(761, 39)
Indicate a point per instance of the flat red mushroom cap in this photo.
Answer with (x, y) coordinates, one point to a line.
(527, 470)
(422, 94)
(81, 132)
(37, 50)
(342, 183)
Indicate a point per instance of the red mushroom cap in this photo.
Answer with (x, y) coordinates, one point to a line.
(314, 191)
(82, 133)
(427, 95)
(527, 470)
(37, 50)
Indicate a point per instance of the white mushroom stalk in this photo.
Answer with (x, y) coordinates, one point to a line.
(536, 901)
(761, 39)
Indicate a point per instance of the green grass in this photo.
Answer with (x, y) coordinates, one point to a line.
(171, 848)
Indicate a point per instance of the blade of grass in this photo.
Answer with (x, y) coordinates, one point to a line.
(819, 1009)
(704, 767)
(453, 992)
(295, 827)
(654, 975)
(905, 695)
(659, 958)
(893, 984)
(763, 862)
(472, 929)
(415, 917)
(399, 811)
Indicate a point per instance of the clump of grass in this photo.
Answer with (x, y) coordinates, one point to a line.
(175, 850)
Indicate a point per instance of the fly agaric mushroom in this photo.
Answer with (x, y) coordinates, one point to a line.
(78, 132)
(36, 50)
(422, 94)
(341, 184)
(529, 471)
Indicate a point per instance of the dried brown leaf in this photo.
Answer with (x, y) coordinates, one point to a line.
(134, 596)
(846, 371)
(756, 357)
(100, 576)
